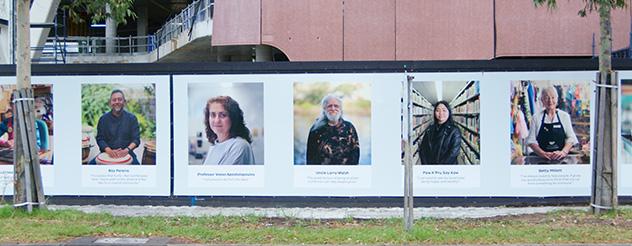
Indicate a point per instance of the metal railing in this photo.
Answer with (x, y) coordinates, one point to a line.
(78, 45)
(54, 51)
(200, 10)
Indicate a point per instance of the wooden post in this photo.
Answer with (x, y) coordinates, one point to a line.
(23, 79)
(604, 177)
(26, 122)
(614, 138)
(408, 165)
(604, 183)
(28, 181)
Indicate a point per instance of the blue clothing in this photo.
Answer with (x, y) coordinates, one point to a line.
(118, 132)
(531, 96)
(6, 126)
(41, 134)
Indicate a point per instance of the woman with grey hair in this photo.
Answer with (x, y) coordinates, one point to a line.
(551, 134)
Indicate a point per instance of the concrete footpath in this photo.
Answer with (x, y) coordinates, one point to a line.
(312, 213)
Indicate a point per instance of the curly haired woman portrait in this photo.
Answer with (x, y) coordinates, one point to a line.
(227, 133)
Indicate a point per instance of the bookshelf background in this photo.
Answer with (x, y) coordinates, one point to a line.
(464, 100)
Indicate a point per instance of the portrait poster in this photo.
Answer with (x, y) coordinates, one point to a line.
(570, 115)
(626, 121)
(102, 129)
(550, 129)
(280, 109)
(625, 140)
(43, 105)
(121, 133)
(332, 133)
(462, 122)
(234, 109)
(445, 133)
(44, 133)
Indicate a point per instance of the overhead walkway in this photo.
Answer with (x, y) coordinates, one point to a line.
(186, 37)
(43, 13)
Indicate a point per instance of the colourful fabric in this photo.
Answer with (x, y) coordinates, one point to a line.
(522, 131)
(531, 99)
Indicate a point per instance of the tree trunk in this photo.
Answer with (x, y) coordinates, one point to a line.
(28, 188)
(604, 184)
(23, 78)
(110, 32)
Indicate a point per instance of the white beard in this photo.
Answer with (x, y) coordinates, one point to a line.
(333, 118)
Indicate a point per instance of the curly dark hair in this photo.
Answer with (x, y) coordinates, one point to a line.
(238, 126)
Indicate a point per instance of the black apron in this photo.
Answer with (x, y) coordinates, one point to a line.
(551, 136)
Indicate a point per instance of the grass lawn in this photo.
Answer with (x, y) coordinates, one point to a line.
(17, 226)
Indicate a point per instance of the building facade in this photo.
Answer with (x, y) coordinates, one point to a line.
(327, 30)
(350, 30)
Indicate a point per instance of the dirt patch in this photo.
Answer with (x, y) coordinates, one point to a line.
(576, 219)
(315, 223)
(181, 240)
(562, 220)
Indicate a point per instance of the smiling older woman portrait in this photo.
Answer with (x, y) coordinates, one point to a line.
(227, 132)
(441, 142)
(551, 134)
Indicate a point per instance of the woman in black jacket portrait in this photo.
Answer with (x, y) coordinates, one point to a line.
(441, 142)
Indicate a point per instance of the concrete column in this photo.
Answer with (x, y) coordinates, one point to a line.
(110, 33)
(5, 45)
(263, 53)
(141, 25)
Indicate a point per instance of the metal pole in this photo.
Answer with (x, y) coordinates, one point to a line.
(630, 42)
(408, 165)
(13, 32)
(593, 45)
(54, 40)
(65, 37)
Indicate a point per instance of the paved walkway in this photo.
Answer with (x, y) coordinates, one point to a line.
(312, 213)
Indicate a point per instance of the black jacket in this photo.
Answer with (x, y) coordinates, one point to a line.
(440, 144)
(333, 145)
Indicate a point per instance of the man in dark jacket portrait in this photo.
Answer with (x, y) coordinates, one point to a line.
(332, 140)
(118, 132)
